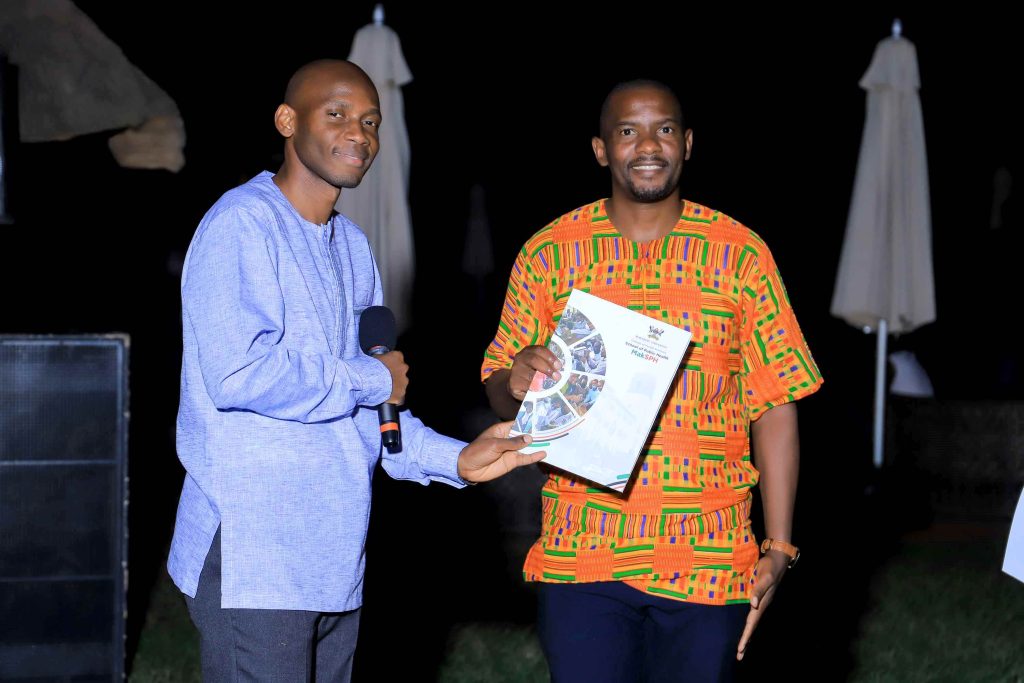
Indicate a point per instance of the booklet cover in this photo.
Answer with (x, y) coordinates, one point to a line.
(617, 366)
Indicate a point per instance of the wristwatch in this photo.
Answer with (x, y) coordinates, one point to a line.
(790, 550)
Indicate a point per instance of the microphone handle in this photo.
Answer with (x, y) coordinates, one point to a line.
(390, 430)
(390, 427)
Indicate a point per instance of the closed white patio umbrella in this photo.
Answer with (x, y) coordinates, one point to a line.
(380, 204)
(885, 282)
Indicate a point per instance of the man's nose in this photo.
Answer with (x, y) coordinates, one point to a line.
(648, 143)
(356, 133)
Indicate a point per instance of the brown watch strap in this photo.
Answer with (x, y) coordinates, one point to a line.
(788, 548)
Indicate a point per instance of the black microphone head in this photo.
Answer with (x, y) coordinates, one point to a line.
(377, 329)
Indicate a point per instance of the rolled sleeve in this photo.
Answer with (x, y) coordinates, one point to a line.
(369, 378)
(425, 456)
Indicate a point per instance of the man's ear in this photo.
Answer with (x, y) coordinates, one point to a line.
(284, 120)
(599, 151)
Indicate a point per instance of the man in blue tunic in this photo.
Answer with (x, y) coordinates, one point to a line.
(277, 427)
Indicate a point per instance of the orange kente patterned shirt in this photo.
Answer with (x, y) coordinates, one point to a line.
(682, 530)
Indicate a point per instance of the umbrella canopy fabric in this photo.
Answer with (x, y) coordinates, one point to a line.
(380, 204)
(885, 271)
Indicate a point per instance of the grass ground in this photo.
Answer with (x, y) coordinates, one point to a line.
(938, 610)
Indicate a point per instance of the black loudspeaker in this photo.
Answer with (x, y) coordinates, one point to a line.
(63, 507)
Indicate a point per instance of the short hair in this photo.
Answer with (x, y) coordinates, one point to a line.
(636, 84)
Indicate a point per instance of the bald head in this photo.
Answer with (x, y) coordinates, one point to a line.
(315, 76)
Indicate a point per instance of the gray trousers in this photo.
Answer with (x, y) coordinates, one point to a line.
(290, 646)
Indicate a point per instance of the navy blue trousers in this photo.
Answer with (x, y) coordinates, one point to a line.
(609, 632)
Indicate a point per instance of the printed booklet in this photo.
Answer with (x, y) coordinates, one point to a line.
(617, 366)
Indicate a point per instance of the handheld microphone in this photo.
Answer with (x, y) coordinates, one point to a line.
(378, 335)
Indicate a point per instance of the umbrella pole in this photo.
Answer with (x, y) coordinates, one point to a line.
(883, 338)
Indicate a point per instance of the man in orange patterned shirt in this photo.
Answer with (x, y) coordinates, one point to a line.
(664, 580)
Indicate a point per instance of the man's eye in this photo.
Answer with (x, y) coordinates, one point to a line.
(668, 130)
(334, 114)
(371, 123)
(626, 131)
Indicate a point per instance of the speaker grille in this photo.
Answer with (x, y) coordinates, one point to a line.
(63, 500)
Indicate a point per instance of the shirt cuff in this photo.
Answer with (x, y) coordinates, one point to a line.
(372, 380)
(439, 459)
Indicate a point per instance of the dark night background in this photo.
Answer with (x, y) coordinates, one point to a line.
(506, 95)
